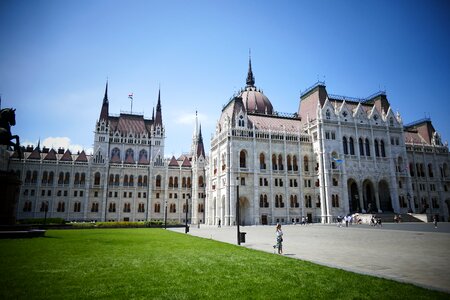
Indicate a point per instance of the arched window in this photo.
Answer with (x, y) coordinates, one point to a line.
(280, 162)
(261, 201)
(188, 182)
(28, 177)
(305, 164)
(125, 180)
(157, 207)
(430, 170)
(83, 178)
(411, 169)
(131, 181)
(262, 161)
(274, 162)
(67, 178)
(112, 207)
(34, 177)
(345, 145)
(200, 181)
(242, 159)
(377, 151)
(383, 151)
(145, 183)
(361, 147)
(183, 182)
(171, 181)
(77, 178)
(116, 180)
(97, 178)
(129, 155)
(44, 177)
(143, 155)
(110, 181)
(141, 207)
(367, 147)
(140, 180)
(289, 163)
(328, 114)
(294, 162)
(115, 153)
(50, 178)
(175, 181)
(352, 146)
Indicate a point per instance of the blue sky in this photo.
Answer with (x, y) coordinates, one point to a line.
(55, 57)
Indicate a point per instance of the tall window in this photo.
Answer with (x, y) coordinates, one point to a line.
(274, 162)
(97, 178)
(280, 162)
(157, 207)
(158, 181)
(242, 159)
(361, 147)
(352, 146)
(367, 147)
(289, 163)
(383, 151)
(377, 151)
(262, 161)
(305, 164)
(344, 144)
(294, 162)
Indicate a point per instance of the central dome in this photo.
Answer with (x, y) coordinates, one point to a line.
(254, 100)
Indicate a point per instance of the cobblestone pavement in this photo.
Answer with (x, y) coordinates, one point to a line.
(416, 253)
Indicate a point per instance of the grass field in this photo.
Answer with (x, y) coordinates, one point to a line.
(160, 264)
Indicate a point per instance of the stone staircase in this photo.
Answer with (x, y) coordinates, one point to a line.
(388, 217)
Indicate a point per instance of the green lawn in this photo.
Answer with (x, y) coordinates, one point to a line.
(159, 264)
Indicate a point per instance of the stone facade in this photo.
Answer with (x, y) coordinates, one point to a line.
(125, 179)
(335, 156)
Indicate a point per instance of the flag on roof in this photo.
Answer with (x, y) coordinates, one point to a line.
(130, 96)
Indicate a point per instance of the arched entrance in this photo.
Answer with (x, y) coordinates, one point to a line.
(244, 212)
(385, 196)
(353, 196)
(368, 197)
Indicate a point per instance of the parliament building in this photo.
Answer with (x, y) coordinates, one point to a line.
(335, 156)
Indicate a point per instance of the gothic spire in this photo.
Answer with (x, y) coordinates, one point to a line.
(250, 77)
(105, 105)
(158, 120)
(200, 147)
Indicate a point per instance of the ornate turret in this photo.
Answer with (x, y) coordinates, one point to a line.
(200, 147)
(158, 118)
(105, 105)
(250, 77)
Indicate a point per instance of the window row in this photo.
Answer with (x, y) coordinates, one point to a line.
(419, 170)
(128, 180)
(364, 147)
(264, 203)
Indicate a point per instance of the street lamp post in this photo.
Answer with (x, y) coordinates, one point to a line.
(187, 208)
(165, 214)
(237, 212)
(45, 212)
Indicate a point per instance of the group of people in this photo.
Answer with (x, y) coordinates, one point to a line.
(374, 221)
(347, 219)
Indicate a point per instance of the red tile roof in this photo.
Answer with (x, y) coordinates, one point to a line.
(127, 123)
(275, 123)
(36, 154)
(186, 162)
(173, 162)
(67, 156)
(82, 157)
(51, 155)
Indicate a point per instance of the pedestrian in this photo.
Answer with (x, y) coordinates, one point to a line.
(435, 220)
(219, 223)
(279, 235)
(346, 220)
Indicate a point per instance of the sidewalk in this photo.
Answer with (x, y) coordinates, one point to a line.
(410, 252)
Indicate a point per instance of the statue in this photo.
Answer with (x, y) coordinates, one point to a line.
(8, 119)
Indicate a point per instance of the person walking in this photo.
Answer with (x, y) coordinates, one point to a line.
(435, 220)
(279, 235)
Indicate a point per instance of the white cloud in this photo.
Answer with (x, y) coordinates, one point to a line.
(59, 142)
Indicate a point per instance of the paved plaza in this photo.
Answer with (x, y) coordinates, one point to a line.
(409, 252)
